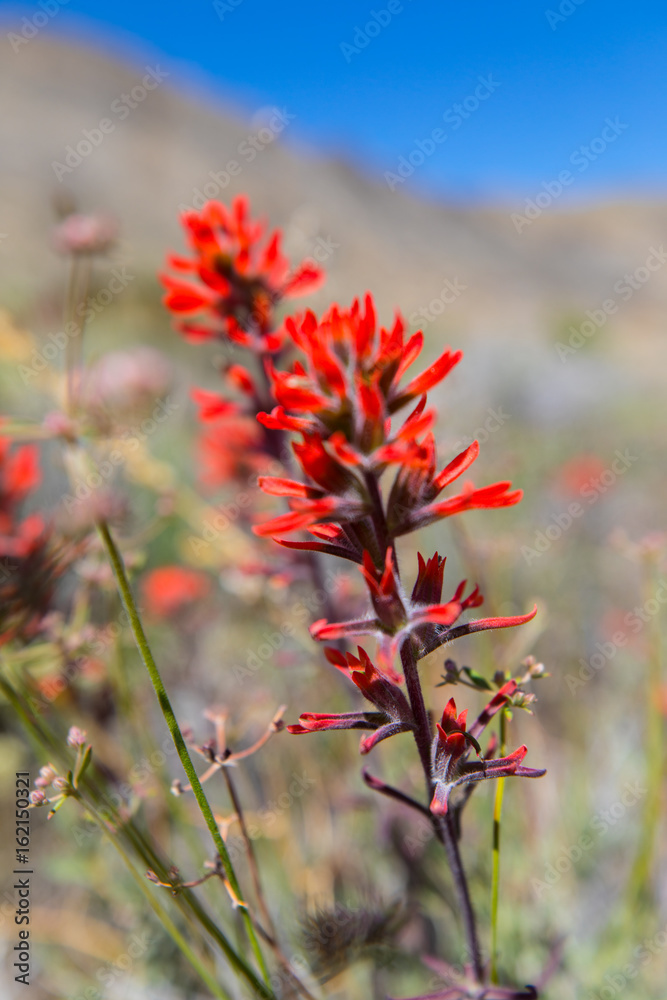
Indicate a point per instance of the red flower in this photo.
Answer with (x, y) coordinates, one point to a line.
(336, 494)
(428, 622)
(340, 395)
(169, 589)
(350, 373)
(394, 714)
(411, 501)
(579, 472)
(19, 474)
(236, 278)
(231, 448)
(348, 380)
(31, 560)
(451, 748)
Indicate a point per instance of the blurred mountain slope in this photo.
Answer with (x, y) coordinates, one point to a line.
(405, 249)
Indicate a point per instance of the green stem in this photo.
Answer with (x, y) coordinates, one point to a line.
(640, 884)
(44, 741)
(203, 971)
(127, 598)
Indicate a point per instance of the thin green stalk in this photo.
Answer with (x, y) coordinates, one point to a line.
(44, 741)
(127, 598)
(495, 876)
(70, 304)
(77, 292)
(204, 973)
(640, 885)
(144, 741)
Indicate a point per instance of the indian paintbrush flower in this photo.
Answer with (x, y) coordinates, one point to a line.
(340, 384)
(451, 767)
(236, 278)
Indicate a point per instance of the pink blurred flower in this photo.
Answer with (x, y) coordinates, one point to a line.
(85, 234)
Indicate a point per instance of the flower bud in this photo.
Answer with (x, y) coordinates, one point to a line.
(76, 737)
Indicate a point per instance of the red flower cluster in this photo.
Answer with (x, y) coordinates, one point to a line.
(19, 475)
(349, 379)
(340, 395)
(451, 749)
(422, 617)
(30, 560)
(341, 390)
(394, 714)
(230, 289)
(242, 276)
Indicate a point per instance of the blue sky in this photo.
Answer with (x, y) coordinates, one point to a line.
(559, 69)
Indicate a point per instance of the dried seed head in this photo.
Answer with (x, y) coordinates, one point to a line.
(335, 937)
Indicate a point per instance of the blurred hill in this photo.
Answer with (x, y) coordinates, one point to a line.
(161, 151)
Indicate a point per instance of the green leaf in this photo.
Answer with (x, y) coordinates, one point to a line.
(471, 739)
(85, 761)
(477, 679)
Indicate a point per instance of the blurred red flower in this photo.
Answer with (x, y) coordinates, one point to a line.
(578, 473)
(236, 278)
(169, 589)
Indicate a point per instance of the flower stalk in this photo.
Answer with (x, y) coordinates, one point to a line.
(143, 646)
